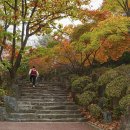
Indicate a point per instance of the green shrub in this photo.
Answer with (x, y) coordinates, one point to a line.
(76, 88)
(123, 70)
(125, 101)
(128, 90)
(107, 77)
(95, 110)
(91, 87)
(79, 84)
(125, 57)
(73, 77)
(86, 98)
(117, 112)
(116, 87)
(2, 92)
(99, 71)
(104, 103)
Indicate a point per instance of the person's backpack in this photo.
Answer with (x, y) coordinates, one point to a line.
(33, 72)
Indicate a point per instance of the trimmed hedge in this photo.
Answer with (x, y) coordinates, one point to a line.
(95, 110)
(79, 83)
(116, 87)
(125, 102)
(86, 98)
(90, 86)
(107, 77)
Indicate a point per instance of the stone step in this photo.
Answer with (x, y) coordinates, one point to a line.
(58, 107)
(48, 120)
(42, 116)
(43, 89)
(42, 94)
(44, 85)
(47, 102)
(44, 100)
(59, 111)
(51, 111)
(49, 98)
(44, 103)
(50, 83)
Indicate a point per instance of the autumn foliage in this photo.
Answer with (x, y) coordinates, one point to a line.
(106, 40)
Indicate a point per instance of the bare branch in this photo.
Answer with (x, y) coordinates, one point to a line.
(10, 5)
(59, 30)
(43, 25)
(34, 9)
(25, 7)
(122, 5)
(32, 13)
(125, 3)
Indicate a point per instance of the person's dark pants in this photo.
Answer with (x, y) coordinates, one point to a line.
(33, 79)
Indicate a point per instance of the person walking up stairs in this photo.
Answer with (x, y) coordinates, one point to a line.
(33, 73)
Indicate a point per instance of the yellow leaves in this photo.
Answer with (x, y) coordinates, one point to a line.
(43, 64)
(69, 29)
(115, 22)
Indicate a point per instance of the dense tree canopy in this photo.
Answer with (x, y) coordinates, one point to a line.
(97, 40)
(33, 17)
(118, 6)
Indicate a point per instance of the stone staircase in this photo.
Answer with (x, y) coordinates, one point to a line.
(46, 102)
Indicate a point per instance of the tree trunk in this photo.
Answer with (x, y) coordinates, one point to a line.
(1, 80)
(128, 13)
(12, 74)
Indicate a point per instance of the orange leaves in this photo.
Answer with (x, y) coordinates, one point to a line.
(97, 15)
(43, 64)
(8, 51)
(33, 3)
(112, 50)
(66, 44)
(69, 29)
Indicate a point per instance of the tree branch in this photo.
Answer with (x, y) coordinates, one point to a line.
(31, 15)
(122, 5)
(43, 25)
(10, 5)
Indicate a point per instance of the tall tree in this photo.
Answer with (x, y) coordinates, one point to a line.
(33, 17)
(118, 6)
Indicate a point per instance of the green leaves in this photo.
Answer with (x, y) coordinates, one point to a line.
(125, 102)
(117, 6)
(107, 77)
(86, 98)
(4, 65)
(116, 87)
